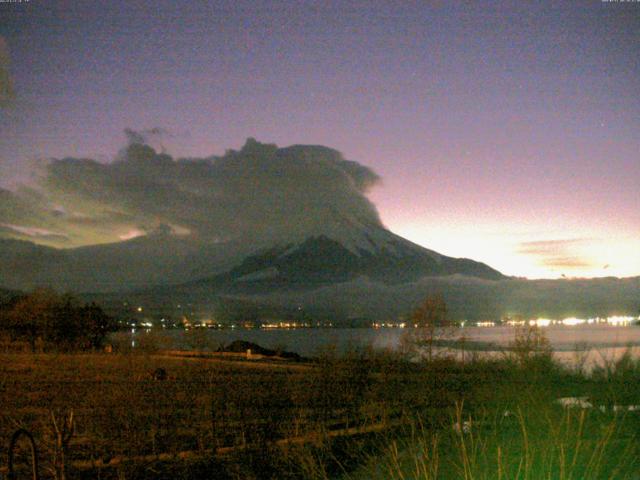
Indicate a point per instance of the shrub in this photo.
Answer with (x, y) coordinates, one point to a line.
(57, 322)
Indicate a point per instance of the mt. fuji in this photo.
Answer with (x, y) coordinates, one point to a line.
(259, 218)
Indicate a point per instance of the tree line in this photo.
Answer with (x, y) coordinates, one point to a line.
(46, 320)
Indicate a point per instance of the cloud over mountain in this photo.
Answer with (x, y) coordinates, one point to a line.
(259, 191)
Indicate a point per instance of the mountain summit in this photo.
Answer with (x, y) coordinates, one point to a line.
(259, 218)
(163, 259)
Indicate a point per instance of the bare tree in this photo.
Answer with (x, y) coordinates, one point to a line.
(429, 322)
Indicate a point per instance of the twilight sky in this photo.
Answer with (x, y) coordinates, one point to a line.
(506, 132)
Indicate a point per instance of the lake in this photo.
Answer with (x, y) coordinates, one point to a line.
(596, 342)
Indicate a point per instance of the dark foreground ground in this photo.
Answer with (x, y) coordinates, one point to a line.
(360, 415)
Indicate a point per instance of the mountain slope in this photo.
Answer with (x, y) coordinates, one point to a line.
(137, 263)
(163, 260)
(322, 260)
(261, 217)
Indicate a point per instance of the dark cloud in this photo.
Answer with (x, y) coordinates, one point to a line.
(259, 191)
(7, 93)
(27, 215)
(146, 137)
(23, 205)
(559, 254)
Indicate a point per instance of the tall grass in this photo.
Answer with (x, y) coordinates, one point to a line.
(550, 444)
(481, 418)
(511, 427)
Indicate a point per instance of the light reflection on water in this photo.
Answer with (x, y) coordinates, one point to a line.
(615, 320)
(602, 340)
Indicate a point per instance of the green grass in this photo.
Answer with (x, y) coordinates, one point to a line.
(516, 430)
(545, 443)
(251, 409)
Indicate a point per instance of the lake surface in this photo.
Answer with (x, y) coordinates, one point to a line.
(596, 342)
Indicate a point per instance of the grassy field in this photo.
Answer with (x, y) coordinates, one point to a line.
(206, 410)
(361, 415)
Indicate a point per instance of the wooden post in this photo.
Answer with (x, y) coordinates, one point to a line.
(63, 431)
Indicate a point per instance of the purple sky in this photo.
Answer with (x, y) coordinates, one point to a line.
(507, 132)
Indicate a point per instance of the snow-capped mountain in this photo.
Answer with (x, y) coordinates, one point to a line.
(342, 253)
(258, 231)
(261, 217)
(322, 260)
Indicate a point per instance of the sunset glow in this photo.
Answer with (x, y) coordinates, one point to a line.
(505, 133)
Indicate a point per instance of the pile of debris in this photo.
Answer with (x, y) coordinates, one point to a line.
(242, 346)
